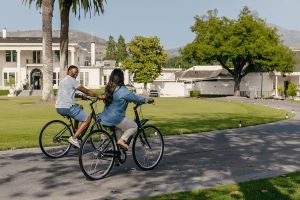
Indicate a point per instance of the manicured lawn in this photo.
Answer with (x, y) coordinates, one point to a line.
(286, 187)
(22, 118)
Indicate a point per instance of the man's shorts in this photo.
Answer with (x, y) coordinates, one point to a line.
(75, 112)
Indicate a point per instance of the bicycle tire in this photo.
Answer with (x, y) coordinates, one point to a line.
(148, 140)
(102, 148)
(96, 126)
(53, 139)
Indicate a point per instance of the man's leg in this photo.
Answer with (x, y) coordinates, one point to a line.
(83, 127)
(78, 114)
(76, 123)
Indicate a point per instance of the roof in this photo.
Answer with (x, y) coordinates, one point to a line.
(205, 68)
(25, 40)
(203, 73)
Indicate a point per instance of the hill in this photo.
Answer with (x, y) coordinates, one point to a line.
(83, 39)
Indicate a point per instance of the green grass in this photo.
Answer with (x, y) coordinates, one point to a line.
(22, 118)
(286, 187)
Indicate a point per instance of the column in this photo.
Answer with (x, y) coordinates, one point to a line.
(93, 54)
(276, 86)
(19, 85)
(72, 56)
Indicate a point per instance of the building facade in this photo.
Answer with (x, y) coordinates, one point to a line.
(21, 65)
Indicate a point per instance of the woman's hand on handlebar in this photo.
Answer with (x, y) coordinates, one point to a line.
(150, 101)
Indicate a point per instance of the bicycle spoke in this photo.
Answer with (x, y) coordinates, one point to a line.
(53, 139)
(96, 159)
(148, 148)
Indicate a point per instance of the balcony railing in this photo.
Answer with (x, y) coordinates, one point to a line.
(31, 61)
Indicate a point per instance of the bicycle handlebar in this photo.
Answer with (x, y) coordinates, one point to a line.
(139, 104)
(92, 101)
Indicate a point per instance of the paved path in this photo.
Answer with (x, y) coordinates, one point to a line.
(190, 161)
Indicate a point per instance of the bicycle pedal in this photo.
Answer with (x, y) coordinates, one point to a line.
(117, 163)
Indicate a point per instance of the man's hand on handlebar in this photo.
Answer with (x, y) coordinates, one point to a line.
(101, 97)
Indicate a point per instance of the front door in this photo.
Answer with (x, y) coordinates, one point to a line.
(286, 85)
(36, 78)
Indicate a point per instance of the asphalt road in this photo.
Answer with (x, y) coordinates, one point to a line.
(190, 161)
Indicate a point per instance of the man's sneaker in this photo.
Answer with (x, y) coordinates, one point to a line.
(74, 142)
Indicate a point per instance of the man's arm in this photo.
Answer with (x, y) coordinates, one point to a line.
(90, 93)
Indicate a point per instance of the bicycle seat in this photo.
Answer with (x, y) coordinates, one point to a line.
(65, 116)
(112, 128)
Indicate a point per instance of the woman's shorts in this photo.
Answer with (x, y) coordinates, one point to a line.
(75, 112)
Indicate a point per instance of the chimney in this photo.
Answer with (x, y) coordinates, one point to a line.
(4, 33)
(93, 54)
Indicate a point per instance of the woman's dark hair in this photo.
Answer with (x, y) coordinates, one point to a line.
(116, 79)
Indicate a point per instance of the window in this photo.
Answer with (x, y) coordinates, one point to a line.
(105, 80)
(9, 79)
(36, 57)
(55, 78)
(81, 78)
(84, 78)
(57, 56)
(11, 56)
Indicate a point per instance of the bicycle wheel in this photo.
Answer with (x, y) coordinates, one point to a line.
(97, 155)
(148, 147)
(96, 126)
(53, 139)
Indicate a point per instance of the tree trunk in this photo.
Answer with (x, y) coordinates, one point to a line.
(237, 82)
(47, 10)
(64, 39)
(145, 89)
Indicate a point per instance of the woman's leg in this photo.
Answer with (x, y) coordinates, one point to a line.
(129, 127)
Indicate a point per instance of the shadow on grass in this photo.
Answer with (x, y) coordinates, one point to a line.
(194, 123)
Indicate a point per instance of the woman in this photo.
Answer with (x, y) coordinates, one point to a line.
(116, 101)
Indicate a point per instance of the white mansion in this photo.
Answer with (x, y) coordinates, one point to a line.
(21, 67)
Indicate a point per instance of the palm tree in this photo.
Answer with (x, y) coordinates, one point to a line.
(47, 13)
(65, 7)
(75, 5)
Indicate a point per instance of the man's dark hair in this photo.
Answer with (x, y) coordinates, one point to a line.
(72, 67)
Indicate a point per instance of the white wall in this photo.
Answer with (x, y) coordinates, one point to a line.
(166, 76)
(256, 82)
(215, 87)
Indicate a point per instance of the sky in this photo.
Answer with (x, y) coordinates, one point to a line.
(169, 20)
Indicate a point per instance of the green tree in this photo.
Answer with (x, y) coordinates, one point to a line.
(111, 49)
(292, 89)
(146, 56)
(179, 61)
(241, 46)
(121, 52)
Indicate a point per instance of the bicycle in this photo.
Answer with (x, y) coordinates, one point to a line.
(53, 139)
(97, 160)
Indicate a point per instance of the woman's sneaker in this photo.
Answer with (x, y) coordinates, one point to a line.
(73, 141)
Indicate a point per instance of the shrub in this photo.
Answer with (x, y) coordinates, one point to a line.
(292, 89)
(280, 90)
(55, 92)
(194, 93)
(4, 92)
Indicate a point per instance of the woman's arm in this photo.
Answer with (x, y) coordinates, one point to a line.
(131, 97)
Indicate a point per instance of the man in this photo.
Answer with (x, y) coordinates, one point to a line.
(66, 106)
